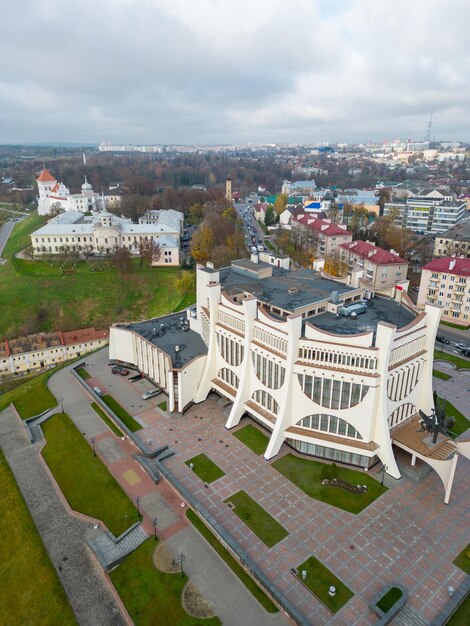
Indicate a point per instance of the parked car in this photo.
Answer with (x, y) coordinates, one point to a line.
(98, 391)
(151, 393)
(442, 339)
(462, 346)
(465, 352)
(117, 369)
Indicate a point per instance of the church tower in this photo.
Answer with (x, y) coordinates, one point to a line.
(46, 182)
(228, 189)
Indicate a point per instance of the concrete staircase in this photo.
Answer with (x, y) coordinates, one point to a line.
(444, 451)
(111, 551)
(408, 617)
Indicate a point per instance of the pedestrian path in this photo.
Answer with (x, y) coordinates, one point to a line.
(65, 535)
(110, 550)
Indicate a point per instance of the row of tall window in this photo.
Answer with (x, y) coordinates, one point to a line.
(332, 454)
(332, 394)
(401, 413)
(231, 350)
(229, 377)
(269, 373)
(270, 339)
(402, 382)
(265, 400)
(337, 358)
(232, 322)
(329, 424)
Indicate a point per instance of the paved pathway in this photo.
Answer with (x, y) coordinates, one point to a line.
(5, 233)
(456, 390)
(64, 535)
(215, 580)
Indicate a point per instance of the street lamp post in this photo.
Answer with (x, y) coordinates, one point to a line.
(61, 400)
(137, 501)
(93, 444)
(155, 528)
(384, 469)
(181, 557)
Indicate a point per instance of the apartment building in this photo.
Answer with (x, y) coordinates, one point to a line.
(455, 241)
(44, 350)
(382, 269)
(446, 282)
(430, 213)
(330, 236)
(318, 366)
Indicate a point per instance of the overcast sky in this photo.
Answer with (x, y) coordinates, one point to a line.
(223, 71)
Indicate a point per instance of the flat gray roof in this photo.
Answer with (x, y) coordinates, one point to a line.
(190, 343)
(379, 309)
(310, 287)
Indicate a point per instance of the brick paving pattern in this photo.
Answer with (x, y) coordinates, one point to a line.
(64, 535)
(408, 535)
(155, 506)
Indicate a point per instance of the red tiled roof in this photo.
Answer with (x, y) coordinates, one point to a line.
(373, 253)
(55, 189)
(45, 177)
(323, 226)
(449, 265)
(84, 334)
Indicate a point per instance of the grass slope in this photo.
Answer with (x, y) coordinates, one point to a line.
(106, 419)
(307, 475)
(32, 397)
(461, 422)
(232, 563)
(253, 438)
(206, 469)
(121, 412)
(30, 592)
(319, 579)
(461, 617)
(150, 596)
(463, 560)
(441, 375)
(255, 517)
(83, 478)
(42, 298)
(458, 361)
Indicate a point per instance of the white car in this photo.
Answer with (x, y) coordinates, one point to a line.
(151, 393)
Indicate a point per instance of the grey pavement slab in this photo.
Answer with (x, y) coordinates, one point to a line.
(110, 450)
(63, 535)
(155, 506)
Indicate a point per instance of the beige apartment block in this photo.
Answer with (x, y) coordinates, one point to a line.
(455, 241)
(382, 269)
(446, 282)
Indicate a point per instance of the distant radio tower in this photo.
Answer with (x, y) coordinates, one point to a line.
(427, 136)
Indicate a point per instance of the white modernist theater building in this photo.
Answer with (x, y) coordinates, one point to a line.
(327, 368)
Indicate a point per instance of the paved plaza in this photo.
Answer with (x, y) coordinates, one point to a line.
(408, 535)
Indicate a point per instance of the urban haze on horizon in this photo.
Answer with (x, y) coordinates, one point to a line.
(234, 72)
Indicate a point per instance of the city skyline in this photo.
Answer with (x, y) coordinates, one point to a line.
(234, 72)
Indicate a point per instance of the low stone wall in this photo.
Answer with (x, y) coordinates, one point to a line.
(386, 618)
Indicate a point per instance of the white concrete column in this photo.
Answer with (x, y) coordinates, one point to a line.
(425, 399)
(210, 369)
(283, 421)
(243, 392)
(171, 391)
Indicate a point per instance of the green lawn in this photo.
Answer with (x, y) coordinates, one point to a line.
(84, 375)
(121, 412)
(162, 405)
(83, 478)
(106, 419)
(441, 375)
(463, 560)
(31, 398)
(461, 422)
(150, 596)
(30, 592)
(458, 361)
(253, 438)
(389, 599)
(41, 298)
(255, 517)
(206, 469)
(461, 617)
(307, 475)
(232, 563)
(319, 579)
(458, 326)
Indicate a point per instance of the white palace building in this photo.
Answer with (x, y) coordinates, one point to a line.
(332, 370)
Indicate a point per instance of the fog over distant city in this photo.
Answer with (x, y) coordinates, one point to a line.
(233, 71)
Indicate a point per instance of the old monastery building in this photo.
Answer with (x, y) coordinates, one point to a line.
(102, 232)
(332, 374)
(55, 196)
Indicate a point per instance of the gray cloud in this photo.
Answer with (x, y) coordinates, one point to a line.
(173, 71)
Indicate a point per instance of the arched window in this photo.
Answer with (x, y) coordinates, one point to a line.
(229, 377)
(269, 372)
(329, 424)
(230, 350)
(332, 393)
(266, 400)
